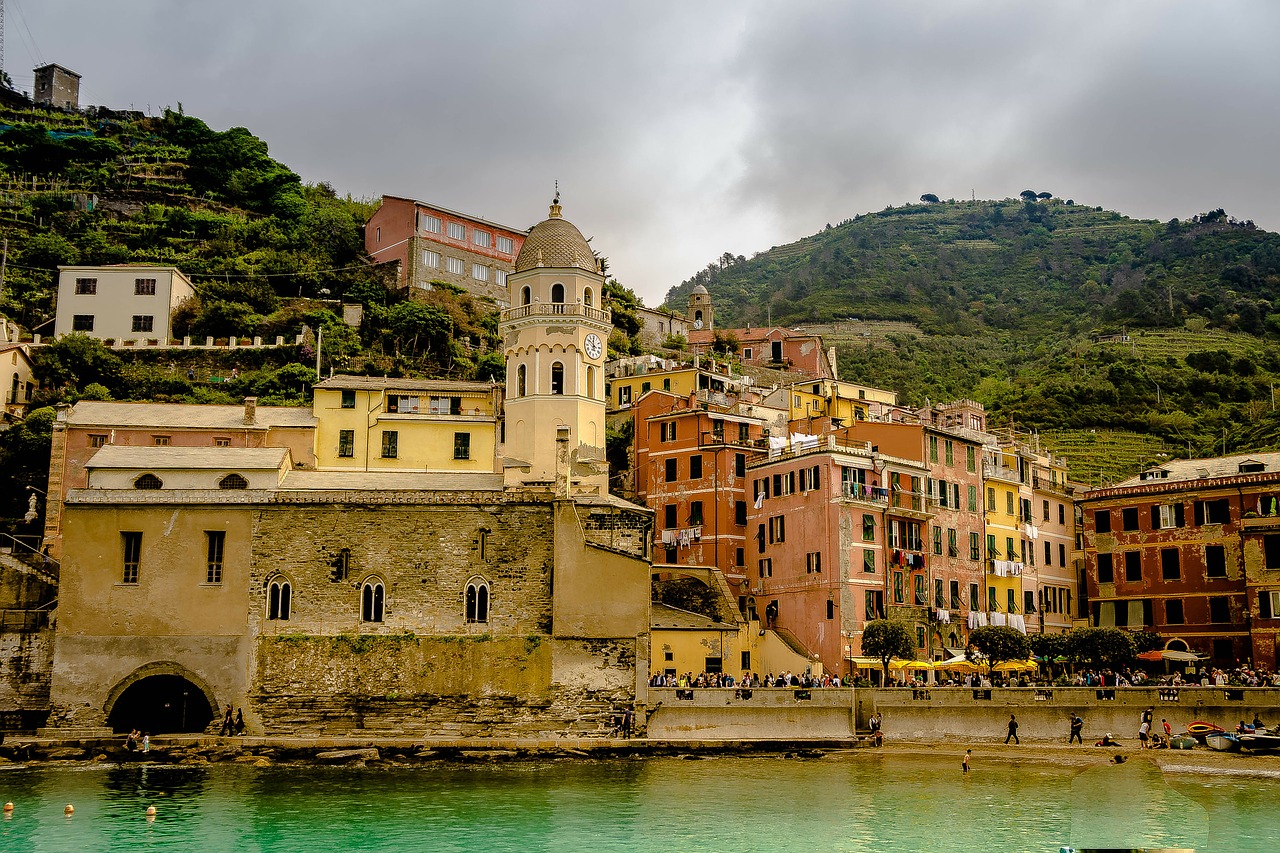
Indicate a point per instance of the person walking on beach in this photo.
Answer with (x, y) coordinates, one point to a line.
(964, 764)
(1144, 731)
(1077, 726)
(1013, 730)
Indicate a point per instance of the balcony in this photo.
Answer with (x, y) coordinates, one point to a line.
(1058, 487)
(715, 438)
(865, 494)
(557, 309)
(999, 472)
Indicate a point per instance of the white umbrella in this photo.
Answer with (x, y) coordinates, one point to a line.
(1174, 654)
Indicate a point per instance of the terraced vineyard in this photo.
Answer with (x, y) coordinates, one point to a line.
(1102, 457)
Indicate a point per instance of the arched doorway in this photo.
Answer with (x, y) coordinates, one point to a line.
(160, 699)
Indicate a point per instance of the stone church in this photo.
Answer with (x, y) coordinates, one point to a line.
(453, 602)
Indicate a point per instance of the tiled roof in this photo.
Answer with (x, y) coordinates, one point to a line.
(555, 242)
(382, 383)
(391, 481)
(1205, 469)
(185, 416)
(158, 458)
(666, 616)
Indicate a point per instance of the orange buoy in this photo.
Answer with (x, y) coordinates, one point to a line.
(151, 811)
(8, 807)
(69, 810)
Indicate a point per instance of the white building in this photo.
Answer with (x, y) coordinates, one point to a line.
(123, 302)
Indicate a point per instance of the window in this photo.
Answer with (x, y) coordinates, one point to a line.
(952, 549)
(1133, 566)
(1008, 503)
(970, 460)
(1048, 554)
(1106, 569)
(869, 561)
(455, 265)
(557, 292)
(481, 238)
(1129, 519)
(1173, 611)
(992, 550)
(589, 300)
(874, 604)
(813, 563)
(938, 599)
(479, 272)
(695, 512)
(1011, 601)
(1213, 512)
(669, 516)
(740, 513)
(97, 440)
(279, 599)
(831, 608)
(86, 286)
(591, 382)
(950, 454)
(160, 440)
(346, 443)
(1062, 555)
(457, 231)
(430, 259)
(522, 387)
(897, 588)
(1268, 604)
(1028, 601)
(937, 540)
(215, 540)
(390, 444)
(695, 467)
(1062, 513)
(233, 481)
(506, 245)
(462, 445)
(477, 602)
(973, 498)
(372, 595)
(144, 287)
(670, 470)
(1046, 510)
(740, 465)
(222, 442)
(1271, 551)
(148, 481)
(991, 498)
(429, 223)
(1219, 608)
(975, 546)
(526, 295)
(933, 448)
(1170, 564)
(740, 557)
(500, 277)
(973, 596)
(132, 546)
(82, 323)
(1102, 521)
(348, 399)
(1166, 516)
(777, 529)
(557, 378)
(766, 568)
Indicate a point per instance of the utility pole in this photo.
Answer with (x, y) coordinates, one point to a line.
(319, 343)
(4, 260)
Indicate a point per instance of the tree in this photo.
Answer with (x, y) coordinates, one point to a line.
(1028, 195)
(996, 644)
(24, 459)
(1044, 195)
(1101, 647)
(77, 360)
(929, 198)
(887, 639)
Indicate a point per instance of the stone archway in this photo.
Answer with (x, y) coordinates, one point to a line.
(161, 697)
(1177, 645)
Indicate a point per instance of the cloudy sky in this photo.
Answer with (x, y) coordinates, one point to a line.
(680, 130)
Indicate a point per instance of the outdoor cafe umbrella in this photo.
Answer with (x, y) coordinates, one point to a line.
(1015, 665)
(1169, 654)
(959, 662)
(910, 664)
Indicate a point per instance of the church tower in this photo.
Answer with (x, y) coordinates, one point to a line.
(555, 334)
(701, 314)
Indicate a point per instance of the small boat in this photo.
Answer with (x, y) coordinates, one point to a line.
(1261, 741)
(1200, 728)
(1182, 742)
(1222, 742)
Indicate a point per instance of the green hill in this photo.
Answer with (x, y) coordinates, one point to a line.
(1056, 316)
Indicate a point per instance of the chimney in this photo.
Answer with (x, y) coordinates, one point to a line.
(250, 410)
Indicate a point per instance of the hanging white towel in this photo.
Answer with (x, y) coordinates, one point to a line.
(998, 618)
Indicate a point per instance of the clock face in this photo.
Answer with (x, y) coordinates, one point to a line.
(697, 324)
(593, 346)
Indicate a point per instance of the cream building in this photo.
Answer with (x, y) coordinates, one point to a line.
(123, 302)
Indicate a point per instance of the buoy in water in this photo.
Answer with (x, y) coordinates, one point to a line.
(8, 807)
(151, 811)
(70, 809)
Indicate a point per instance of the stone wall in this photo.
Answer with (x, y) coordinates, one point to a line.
(26, 662)
(768, 713)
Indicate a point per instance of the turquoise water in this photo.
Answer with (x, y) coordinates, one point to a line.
(864, 801)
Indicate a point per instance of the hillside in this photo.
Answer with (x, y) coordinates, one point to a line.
(1008, 302)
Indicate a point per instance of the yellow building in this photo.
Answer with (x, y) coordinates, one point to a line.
(682, 642)
(367, 423)
(1004, 477)
(832, 398)
(628, 381)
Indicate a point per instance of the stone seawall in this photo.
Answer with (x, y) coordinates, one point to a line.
(26, 660)
(764, 713)
(959, 712)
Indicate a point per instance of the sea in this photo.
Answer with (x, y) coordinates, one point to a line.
(859, 801)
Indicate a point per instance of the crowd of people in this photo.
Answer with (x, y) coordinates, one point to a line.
(749, 680)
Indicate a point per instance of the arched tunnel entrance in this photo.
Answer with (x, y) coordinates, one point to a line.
(160, 704)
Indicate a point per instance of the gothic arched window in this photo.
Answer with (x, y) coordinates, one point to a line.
(372, 596)
(279, 599)
(477, 601)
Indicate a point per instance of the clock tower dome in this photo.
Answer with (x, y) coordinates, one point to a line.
(555, 335)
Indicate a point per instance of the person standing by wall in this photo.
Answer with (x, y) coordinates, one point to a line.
(1077, 726)
(1013, 730)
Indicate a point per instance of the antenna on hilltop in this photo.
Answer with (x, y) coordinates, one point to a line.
(1, 36)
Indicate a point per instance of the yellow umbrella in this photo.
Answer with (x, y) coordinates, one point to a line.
(959, 663)
(910, 664)
(1015, 665)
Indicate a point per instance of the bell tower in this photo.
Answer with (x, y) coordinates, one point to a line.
(701, 314)
(555, 335)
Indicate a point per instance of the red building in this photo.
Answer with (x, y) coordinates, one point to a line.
(432, 243)
(1191, 550)
(691, 462)
(771, 346)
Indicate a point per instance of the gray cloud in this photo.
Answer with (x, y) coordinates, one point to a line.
(679, 131)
